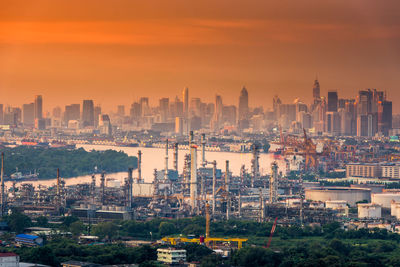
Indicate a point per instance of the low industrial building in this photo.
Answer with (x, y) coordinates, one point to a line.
(369, 211)
(363, 170)
(9, 259)
(28, 240)
(171, 256)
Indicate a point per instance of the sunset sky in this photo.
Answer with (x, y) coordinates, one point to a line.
(115, 51)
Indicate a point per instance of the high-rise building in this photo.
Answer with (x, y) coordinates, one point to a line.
(185, 97)
(38, 107)
(105, 124)
(87, 113)
(57, 112)
(332, 101)
(1, 114)
(316, 91)
(244, 105)
(97, 113)
(144, 105)
(218, 112)
(28, 114)
(385, 117)
(72, 112)
(164, 109)
(121, 110)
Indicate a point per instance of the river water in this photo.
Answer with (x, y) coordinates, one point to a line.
(154, 158)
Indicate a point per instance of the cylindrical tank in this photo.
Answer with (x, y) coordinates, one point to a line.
(351, 195)
(369, 210)
(385, 199)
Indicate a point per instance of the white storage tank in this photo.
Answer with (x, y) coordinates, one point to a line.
(369, 210)
(336, 204)
(395, 209)
(385, 199)
(350, 195)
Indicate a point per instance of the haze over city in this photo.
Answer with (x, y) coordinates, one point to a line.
(115, 52)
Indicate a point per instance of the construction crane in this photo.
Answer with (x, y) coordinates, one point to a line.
(272, 232)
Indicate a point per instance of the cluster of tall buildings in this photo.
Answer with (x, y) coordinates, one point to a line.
(185, 114)
(368, 114)
(31, 116)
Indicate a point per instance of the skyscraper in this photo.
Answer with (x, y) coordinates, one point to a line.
(316, 91)
(87, 113)
(72, 112)
(28, 114)
(38, 113)
(164, 109)
(243, 104)
(185, 97)
(97, 113)
(332, 101)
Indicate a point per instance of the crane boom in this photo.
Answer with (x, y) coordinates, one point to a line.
(272, 232)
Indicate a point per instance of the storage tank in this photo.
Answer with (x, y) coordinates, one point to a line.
(395, 209)
(336, 204)
(375, 188)
(369, 210)
(350, 195)
(385, 199)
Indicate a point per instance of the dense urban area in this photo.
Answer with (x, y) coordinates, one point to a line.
(314, 184)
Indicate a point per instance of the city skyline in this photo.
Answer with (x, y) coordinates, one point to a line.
(115, 53)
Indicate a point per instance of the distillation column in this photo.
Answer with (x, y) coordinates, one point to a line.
(214, 180)
(193, 176)
(139, 169)
(255, 164)
(166, 162)
(273, 183)
(203, 150)
(176, 156)
(2, 185)
(228, 197)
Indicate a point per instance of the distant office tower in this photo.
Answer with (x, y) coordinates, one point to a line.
(385, 117)
(179, 125)
(218, 112)
(135, 111)
(28, 114)
(105, 124)
(144, 105)
(364, 105)
(185, 97)
(38, 107)
(176, 108)
(164, 109)
(72, 112)
(195, 107)
(10, 116)
(229, 114)
(276, 101)
(333, 122)
(97, 113)
(57, 112)
(121, 110)
(332, 101)
(316, 91)
(244, 105)
(87, 113)
(1, 114)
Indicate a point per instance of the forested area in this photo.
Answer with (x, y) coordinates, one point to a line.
(71, 163)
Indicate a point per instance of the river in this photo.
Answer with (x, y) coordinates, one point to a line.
(154, 158)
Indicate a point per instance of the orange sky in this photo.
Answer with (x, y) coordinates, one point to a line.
(115, 51)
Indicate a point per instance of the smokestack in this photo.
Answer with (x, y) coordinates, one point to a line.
(190, 139)
(58, 182)
(213, 185)
(166, 161)
(139, 177)
(254, 165)
(203, 150)
(227, 176)
(273, 183)
(102, 180)
(176, 156)
(193, 176)
(2, 184)
(130, 187)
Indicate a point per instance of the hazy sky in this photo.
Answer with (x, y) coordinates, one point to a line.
(115, 51)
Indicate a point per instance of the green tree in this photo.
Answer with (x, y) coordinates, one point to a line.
(18, 221)
(106, 230)
(76, 228)
(166, 228)
(256, 256)
(42, 221)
